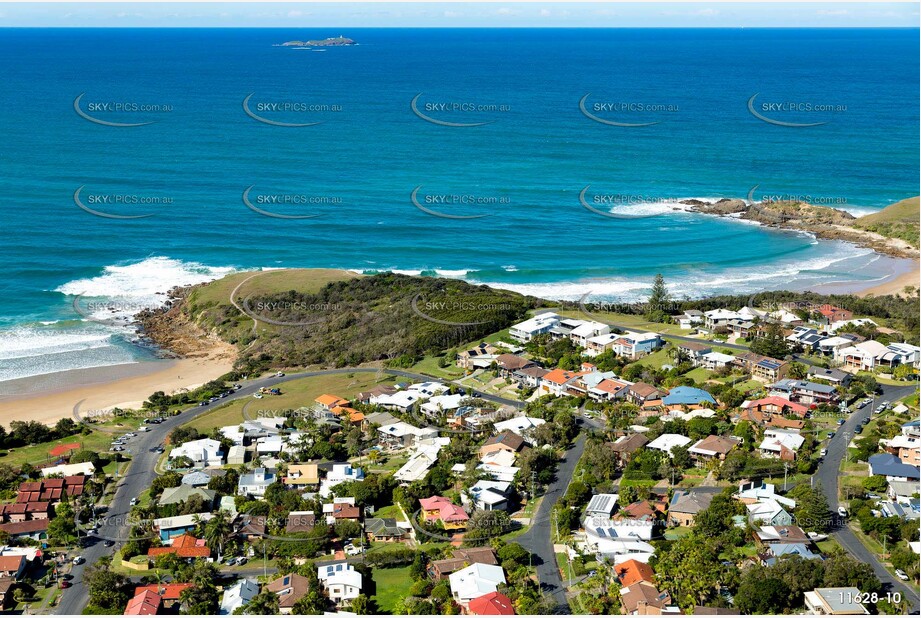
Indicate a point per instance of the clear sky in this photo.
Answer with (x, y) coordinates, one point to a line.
(486, 14)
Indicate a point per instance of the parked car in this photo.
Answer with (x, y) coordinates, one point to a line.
(352, 550)
(823, 452)
(842, 511)
(65, 584)
(108, 542)
(901, 575)
(280, 374)
(134, 501)
(79, 560)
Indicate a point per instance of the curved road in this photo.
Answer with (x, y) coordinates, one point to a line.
(141, 472)
(827, 475)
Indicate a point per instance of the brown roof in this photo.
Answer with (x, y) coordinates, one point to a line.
(26, 527)
(693, 345)
(168, 592)
(465, 557)
(506, 438)
(377, 391)
(11, 564)
(630, 443)
(295, 587)
(631, 596)
(513, 362)
(184, 546)
(252, 525)
(533, 371)
(300, 522)
(643, 390)
(641, 509)
(719, 444)
(346, 511)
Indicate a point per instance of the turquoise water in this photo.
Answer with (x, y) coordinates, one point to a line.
(355, 171)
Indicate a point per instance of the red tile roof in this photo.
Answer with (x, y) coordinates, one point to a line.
(447, 510)
(492, 604)
(633, 571)
(167, 592)
(184, 546)
(145, 603)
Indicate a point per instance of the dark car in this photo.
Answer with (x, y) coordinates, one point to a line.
(108, 542)
(65, 584)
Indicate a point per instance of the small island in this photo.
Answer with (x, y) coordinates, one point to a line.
(339, 41)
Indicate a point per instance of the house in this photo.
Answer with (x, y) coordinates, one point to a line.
(400, 435)
(781, 444)
(600, 344)
(608, 390)
(489, 495)
(170, 595)
(762, 368)
(36, 529)
(685, 505)
(636, 345)
(255, 483)
(204, 452)
(864, 356)
(51, 490)
(694, 350)
(558, 381)
(601, 505)
(888, 465)
(777, 551)
(721, 317)
(328, 402)
(183, 546)
(145, 603)
(196, 478)
(24, 511)
(632, 571)
(830, 346)
(384, 530)
(805, 392)
(424, 457)
(85, 468)
(238, 595)
(713, 447)
(401, 401)
(767, 535)
(290, 589)
(530, 376)
(688, 396)
(768, 512)
(509, 364)
(505, 441)
(440, 404)
(714, 360)
(475, 581)
(460, 558)
(538, 325)
(440, 509)
(640, 393)
(341, 581)
(478, 357)
(250, 527)
(768, 419)
(667, 441)
(520, 425)
(905, 446)
(585, 330)
(337, 474)
(776, 405)
(491, 604)
(302, 475)
(300, 521)
(182, 493)
(749, 493)
(171, 527)
(375, 391)
(236, 455)
(12, 566)
(834, 601)
(625, 446)
(832, 376)
(689, 319)
(340, 509)
(831, 314)
(643, 598)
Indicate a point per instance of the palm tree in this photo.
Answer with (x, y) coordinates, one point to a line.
(217, 531)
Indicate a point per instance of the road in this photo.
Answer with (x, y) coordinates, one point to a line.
(141, 472)
(827, 475)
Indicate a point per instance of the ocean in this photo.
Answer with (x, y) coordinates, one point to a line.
(542, 117)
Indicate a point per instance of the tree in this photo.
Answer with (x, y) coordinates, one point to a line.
(798, 371)
(107, 589)
(842, 571)
(217, 530)
(202, 597)
(811, 513)
(692, 569)
(759, 593)
(347, 529)
(772, 343)
(361, 605)
(263, 604)
(657, 305)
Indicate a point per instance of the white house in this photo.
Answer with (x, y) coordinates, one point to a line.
(600, 343)
(205, 452)
(634, 345)
(425, 455)
(768, 512)
(667, 441)
(488, 495)
(255, 483)
(86, 468)
(475, 581)
(520, 425)
(341, 581)
(863, 356)
(778, 442)
(586, 330)
(721, 317)
(339, 473)
(442, 403)
(714, 360)
(602, 505)
(538, 325)
(238, 595)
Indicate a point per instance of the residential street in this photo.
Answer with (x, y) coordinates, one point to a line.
(827, 475)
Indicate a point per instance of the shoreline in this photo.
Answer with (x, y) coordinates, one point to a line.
(102, 388)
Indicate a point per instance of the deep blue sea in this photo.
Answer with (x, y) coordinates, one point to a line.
(354, 168)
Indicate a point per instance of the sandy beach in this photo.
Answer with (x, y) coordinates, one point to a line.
(896, 285)
(49, 398)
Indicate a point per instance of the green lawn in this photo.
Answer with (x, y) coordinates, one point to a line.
(392, 511)
(295, 394)
(699, 375)
(304, 280)
(429, 366)
(392, 585)
(656, 359)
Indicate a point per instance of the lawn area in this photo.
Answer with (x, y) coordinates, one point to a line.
(391, 586)
(673, 534)
(304, 280)
(392, 511)
(295, 394)
(701, 374)
(38, 454)
(656, 359)
(633, 322)
(429, 366)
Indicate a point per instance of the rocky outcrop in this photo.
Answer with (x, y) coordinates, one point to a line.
(822, 221)
(339, 41)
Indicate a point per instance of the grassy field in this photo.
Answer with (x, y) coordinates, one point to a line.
(305, 280)
(391, 510)
(429, 366)
(656, 359)
(899, 220)
(392, 585)
(97, 441)
(699, 375)
(633, 322)
(295, 394)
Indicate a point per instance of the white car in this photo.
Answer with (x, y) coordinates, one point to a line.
(901, 575)
(134, 501)
(842, 511)
(79, 560)
(352, 550)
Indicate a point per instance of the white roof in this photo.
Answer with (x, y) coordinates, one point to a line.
(86, 468)
(724, 314)
(418, 465)
(428, 388)
(766, 509)
(667, 441)
(856, 321)
(639, 337)
(604, 339)
(444, 402)
(180, 521)
(399, 429)
(597, 527)
(774, 439)
(537, 322)
(238, 595)
(834, 342)
(400, 399)
(718, 357)
(518, 424)
(476, 580)
(500, 473)
(589, 329)
(602, 503)
(499, 458)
